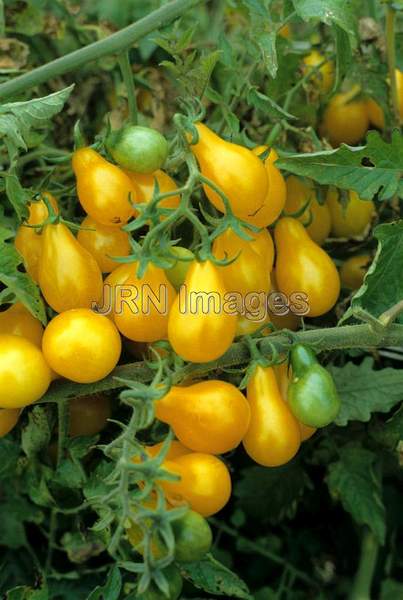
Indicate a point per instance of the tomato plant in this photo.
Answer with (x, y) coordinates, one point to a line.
(201, 321)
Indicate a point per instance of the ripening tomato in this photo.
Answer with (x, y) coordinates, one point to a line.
(175, 584)
(210, 416)
(145, 185)
(376, 115)
(323, 78)
(24, 374)
(312, 394)
(234, 169)
(28, 240)
(81, 345)
(205, 483)
(248, 273)
(316, 217)
(177, 273)
(305, 269)
(284, 375)
(88, 414)
(345, 119)
(350, 220)
(105, 192)
(69, 277)
(8, 420)
(273, 437)
(192, 533)
(141, 306)
(104, 242)
(246, 325)
(352, 271)
(202, 325)
(17, 320)
(275, 198)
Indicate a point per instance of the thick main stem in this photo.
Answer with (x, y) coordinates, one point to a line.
(347, 336)
(363, 578)
(113, 44)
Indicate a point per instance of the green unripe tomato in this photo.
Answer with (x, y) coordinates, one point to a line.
(175, 583)
(193, 537)
(177, 273)
(139, 149)
(313, 397)
(302, 357)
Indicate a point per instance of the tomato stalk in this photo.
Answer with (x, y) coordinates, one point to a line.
(127, 74)
(368, 557)
(333, 338)
(113, 44)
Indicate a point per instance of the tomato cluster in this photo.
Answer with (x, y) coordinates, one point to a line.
(199, 304)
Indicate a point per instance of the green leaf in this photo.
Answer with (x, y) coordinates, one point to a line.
(344, 167)
(18, 118)
(391, 590)
(20, 284)
(9, 453)
(352, 481)
(112, 588)
(212, 577)
(364, 391)
(283, 485)
(383, 284)
(265, 104)
(36, 435)
(17, 195)
(267, 45)
(338, 12)
(389, 434)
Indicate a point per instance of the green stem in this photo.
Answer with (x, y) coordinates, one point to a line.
(125, 67)
(347, 336)
(391, 56)
(113, 44)
(63, 426)
(368, 557)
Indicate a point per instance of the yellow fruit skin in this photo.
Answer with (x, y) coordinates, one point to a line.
(81, 345)
(153, 296)
(323, 79)
(299, 192)
(24, 373)
(288, 321)
(176, 449)
(375, 114)
(205, 483)
(28, 240)
(303, 267)
(17, 320)
(273, 437)
(8, 420)
(211, 416)
(200, 331)
(399, 86)
(102, 242)
(234, 169)
(352, 220)
(69, 277)
(145, 184)
(345, 120)
(105, 192)
(248, 273)
(352, 271)
(274, 202)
